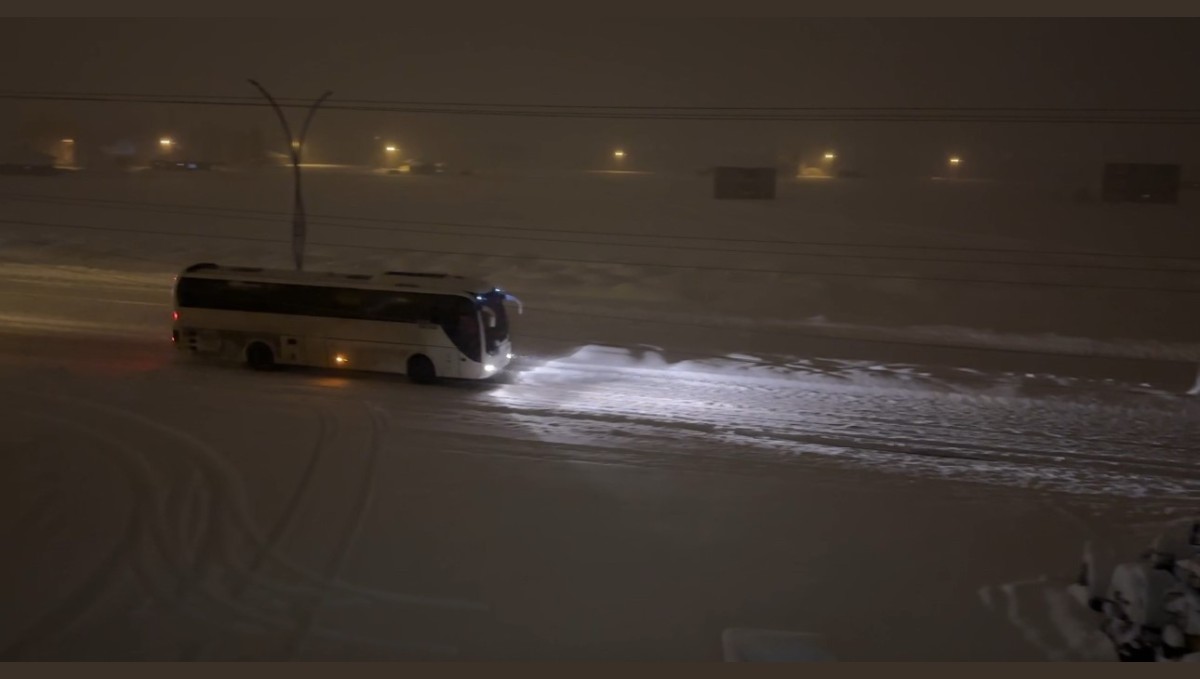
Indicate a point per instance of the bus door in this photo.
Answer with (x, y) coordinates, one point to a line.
(290, 350)
(296, 350)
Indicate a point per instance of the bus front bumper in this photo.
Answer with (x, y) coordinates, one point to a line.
(494, 364)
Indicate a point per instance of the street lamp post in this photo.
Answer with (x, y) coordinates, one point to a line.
(295, 145)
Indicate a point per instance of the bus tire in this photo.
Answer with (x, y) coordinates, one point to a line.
(421, 370)
(259, 356)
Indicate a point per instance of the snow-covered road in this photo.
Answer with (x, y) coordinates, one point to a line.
(628, 406)
(213, 513)
(633, 488)
(219, 513)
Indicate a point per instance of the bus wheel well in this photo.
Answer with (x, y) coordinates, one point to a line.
(260, 355)
(421, 370)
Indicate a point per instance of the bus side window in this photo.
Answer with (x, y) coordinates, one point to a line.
(288, 299)
(246, 296)
(189, 292)
(349, 303)
(442, 312)
(399, 308)
(422, 308)
(383, 306)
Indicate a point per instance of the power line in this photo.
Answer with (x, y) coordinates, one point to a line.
(203, 209)
(635, 107)
(161, 208)
(812, 116)
(786, 272)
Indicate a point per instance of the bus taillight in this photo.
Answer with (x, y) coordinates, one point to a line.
(174, 315)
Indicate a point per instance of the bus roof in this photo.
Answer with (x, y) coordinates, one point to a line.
(387, 280)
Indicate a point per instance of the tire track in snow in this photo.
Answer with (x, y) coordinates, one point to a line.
(224, 478)
(775, 390)
(140, 528)
(770, 413)
(326, 431)
(83, 597)
(315, 584)
(689, 456)
(831, 436)
(787, 416)
(235, 523)
(283, 522)
(790, 431)
(771, 393)
(771, 425)
(349, 534)
(152, 535)
(193, 509)
(321, 587)
(881, 453)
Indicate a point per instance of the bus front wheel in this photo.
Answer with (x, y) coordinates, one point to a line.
(260, 357)
(421, 370)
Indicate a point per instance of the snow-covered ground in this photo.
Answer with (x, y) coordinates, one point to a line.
(683, 447)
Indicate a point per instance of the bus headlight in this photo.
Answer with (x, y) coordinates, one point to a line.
(509, 356)
(489, 368)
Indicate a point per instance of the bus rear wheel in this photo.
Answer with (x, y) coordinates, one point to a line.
(421, 370)
(260, 357)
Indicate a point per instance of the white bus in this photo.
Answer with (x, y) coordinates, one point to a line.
(424, 325)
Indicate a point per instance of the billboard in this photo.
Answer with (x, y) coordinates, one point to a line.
(1140, 183)
(744, 183)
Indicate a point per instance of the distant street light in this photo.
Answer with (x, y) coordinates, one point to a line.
(618, 154)
(166, 142)
(391, 156)
(68, 141)
(830, 155)
(955, 160)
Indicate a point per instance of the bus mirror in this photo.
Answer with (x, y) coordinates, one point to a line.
(512, 298)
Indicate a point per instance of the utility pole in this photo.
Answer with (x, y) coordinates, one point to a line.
(295, 148)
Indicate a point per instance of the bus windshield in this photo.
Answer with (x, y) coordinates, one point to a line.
(495, 320)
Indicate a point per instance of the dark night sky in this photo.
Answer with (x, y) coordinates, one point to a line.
(762, 62)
